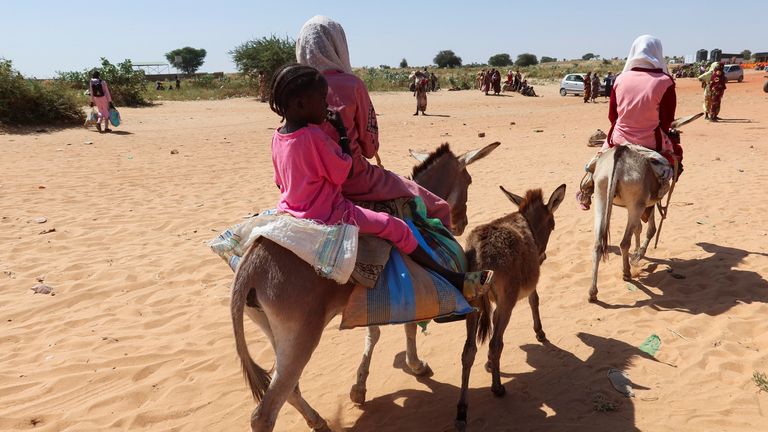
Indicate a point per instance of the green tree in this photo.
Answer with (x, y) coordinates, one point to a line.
(447, 58)
(500, 60)
(403, 63)
(266, 54)
(526, 59)
(746, 54)
(589, 56)
(545, 59)
(190, 59)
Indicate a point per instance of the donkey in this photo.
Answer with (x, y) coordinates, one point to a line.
(625, 178)
(426, 175)
(295, 303)
(514, 247)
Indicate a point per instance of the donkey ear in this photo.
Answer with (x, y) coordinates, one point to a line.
(475, 155)
(512, 197)
(556, 198)
(418, 155)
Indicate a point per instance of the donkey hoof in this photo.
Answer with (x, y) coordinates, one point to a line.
(488, 367)
(422, 370)
(498, 390)
(541, 337)
(461, 425)
(593, 298)
(627, 277)
(357, 394)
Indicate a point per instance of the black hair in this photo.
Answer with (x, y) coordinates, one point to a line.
(96, 74)
(290, 81)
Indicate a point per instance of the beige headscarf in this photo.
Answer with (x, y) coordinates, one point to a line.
(646, 52)
(322, 44)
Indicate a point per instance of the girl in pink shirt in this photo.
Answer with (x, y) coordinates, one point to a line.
(322, 44)
(310, 169)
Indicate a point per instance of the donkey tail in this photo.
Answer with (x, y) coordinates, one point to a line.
(258, 379)
(484, 326)
(605, 224)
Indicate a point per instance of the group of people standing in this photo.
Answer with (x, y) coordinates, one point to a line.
(592, 86)
(490, 80)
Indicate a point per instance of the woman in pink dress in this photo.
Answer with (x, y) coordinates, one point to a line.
(642, 108)
(322, 44)
(101, 99)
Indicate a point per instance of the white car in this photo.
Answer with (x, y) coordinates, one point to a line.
(574, 84)
(734, 72)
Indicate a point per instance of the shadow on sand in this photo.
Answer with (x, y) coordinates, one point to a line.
(556, 396)
(711, 285)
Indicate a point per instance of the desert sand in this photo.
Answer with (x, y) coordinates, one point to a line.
(138, 334)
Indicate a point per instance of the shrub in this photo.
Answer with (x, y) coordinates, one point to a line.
(545, 59)
(500, 60)
(266, 54)
(403, 63)
(27, 102)
(588, 56)
(447, 58)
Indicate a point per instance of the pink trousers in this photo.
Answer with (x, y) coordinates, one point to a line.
(373, 183)
(383, 225)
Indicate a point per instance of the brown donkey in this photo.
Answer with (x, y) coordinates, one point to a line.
(295, 303)
(514, 247)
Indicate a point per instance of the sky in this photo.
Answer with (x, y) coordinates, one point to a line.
(42, 37)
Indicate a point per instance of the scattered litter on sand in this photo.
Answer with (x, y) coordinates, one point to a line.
(621, 382)
(481, 134)
(651, 345)
(174, 151)
(42, 288)
(47, 231)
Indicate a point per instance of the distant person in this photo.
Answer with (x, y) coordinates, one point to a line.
(641, 110)
(496, 82)
(322, 44)
(263, 87)
(587, 87)
(159, 85)
(421, 85)
(486, 82)
(595, 86)
(433, 81)
(101, 99)
(518, 81)
(714, 87)
(510, 78)
(608, 85)
(480, 77)
(178, 83)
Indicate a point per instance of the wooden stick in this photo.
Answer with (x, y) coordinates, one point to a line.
(685, 338)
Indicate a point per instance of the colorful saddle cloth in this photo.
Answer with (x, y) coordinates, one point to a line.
(404, 291)
(389, 287)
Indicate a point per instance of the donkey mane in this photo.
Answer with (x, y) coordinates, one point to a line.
(431, 159)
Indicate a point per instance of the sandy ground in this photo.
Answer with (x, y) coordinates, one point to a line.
(138, 335)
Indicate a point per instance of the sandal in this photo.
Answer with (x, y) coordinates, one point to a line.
(477, 284)
(584, 200)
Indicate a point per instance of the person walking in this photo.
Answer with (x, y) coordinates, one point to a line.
(101, 98)
(608, 85)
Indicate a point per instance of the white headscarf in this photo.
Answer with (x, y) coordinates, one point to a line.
(646, 53)
(322, 44)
